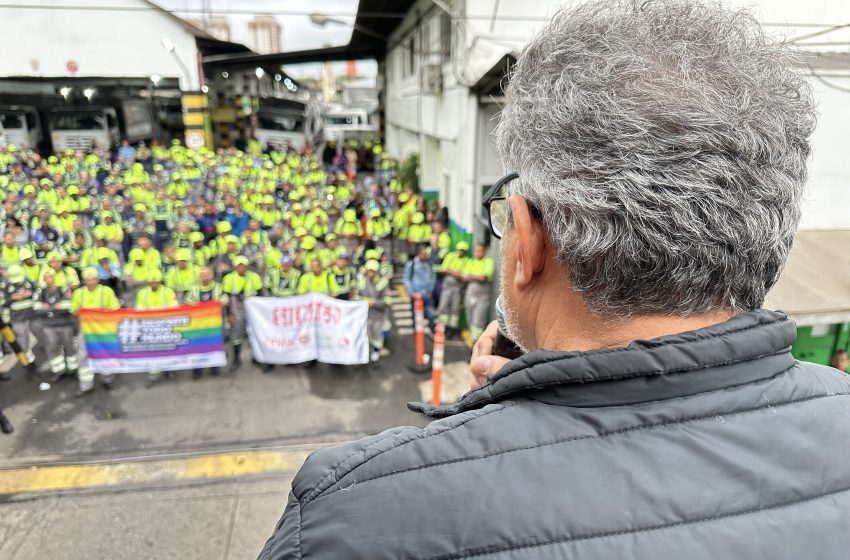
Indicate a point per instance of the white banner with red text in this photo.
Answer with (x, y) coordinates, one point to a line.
(310, 327)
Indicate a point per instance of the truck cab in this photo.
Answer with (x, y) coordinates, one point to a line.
(279, 129)
(83, 128)
(21, 126)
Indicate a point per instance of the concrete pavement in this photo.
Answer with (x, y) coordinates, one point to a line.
(227, 520)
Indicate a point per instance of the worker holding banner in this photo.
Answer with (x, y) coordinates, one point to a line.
(317, 280)
(92, 295)
(54, 325)
(282, 281)
(207, 289)
(156, 296)
(183, 277)
(343, 277)
(238, 285)
(373, 289)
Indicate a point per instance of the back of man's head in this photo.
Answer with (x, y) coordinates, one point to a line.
(665, 143)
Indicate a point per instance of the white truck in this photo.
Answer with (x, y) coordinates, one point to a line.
(83, 128)
(350, 123)
(21, 125)
(280, 129)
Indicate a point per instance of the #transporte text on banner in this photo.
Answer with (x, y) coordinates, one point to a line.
(310, 327)
(168, 339)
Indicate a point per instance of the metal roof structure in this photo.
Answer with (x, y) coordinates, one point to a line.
(374, 18)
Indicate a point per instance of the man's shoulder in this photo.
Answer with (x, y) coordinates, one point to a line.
(392, 452)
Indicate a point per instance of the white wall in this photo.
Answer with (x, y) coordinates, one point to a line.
(39, 42)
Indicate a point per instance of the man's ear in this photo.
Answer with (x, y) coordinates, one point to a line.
(529, 242)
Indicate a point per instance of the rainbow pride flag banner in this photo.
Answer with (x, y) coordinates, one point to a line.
(139, 340)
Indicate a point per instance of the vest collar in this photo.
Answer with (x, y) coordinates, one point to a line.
(746, 348)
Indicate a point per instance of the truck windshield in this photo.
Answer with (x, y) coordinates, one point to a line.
(283, 124)
(11, 120)
(78, 121)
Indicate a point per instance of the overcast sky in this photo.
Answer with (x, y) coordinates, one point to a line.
(298, 32)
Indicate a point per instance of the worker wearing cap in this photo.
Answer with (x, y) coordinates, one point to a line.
(267, 214)
(16, 298)
(225, 262)
(183, 277)
(109, 269)
(401, 225)
(31, 268)
(385, 268)
(282, 281)
(10, 252)
(150, 255)
(343, 277)
(379, 229)
(156, 296)
(76, 203)
(331, 251)
(47, 195)
(92, 295)
(207, 289)
(201, 252)
(111, 231)
(140, 224)
(240, 284)
(306, 252)
(54, 326)
(65, 276)
(451, 294)
(374, 289)
(218, 244)
(419, 233)
(478, 275)
(135, 276)
(178, 188)
(317, 280)
(349, 230)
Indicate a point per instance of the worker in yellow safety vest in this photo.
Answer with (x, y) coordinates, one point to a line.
(156, 296)
(92, 295)
(239, 285)
(478, 275)
(317, 280)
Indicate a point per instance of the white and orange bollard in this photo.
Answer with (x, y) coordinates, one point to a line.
(419, 365)
(437, 357)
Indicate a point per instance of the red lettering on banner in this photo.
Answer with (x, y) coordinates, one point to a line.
(286, 343)
(305, 314)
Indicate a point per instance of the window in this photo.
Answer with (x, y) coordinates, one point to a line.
(445, 33)
(11, 120)
(77, 121)
(410, 57)
(281, 124)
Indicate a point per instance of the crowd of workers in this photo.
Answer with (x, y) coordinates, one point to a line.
(163, 227)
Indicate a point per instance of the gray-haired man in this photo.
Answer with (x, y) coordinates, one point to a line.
(659, 154)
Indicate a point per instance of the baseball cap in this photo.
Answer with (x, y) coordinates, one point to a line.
(240, 260)
(372, 265)
(89, 272)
